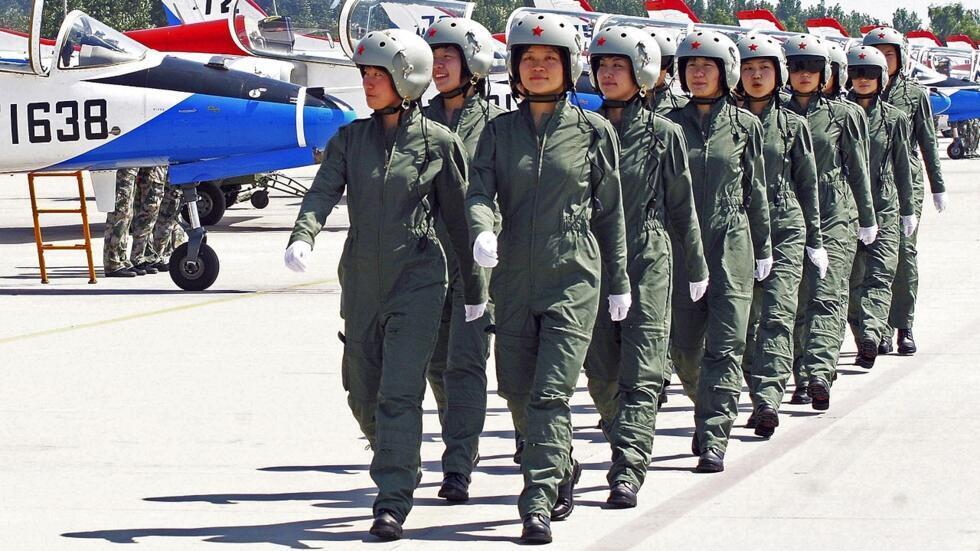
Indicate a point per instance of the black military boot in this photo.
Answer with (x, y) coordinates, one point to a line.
(753, 422)
(885, 346)
(800, 395)
(386, 526)
(820, 392)
(867, 352)
(566, 494)
(767, 420)
(537, 529)
(622, 495)
(711, 461)
(906, 344)
(455, 488)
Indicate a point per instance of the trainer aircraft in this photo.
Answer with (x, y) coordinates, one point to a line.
(94, 99)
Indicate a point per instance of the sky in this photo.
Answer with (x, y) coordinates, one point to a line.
(884, 10)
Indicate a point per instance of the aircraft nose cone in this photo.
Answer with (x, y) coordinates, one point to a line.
(322, 117)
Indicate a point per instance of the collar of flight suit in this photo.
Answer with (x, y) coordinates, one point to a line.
(630, 111)
(525, 109)
(691, 112)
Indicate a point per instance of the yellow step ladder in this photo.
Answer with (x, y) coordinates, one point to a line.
(82, 210)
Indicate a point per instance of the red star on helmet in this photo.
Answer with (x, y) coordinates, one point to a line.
(753, 47)
(862, 56)
(360, 50)
(695, 45)
(802, 45)
(537, 30)
(602, 40)
(881, 35)
(432, 32)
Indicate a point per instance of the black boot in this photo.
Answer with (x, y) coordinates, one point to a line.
(455, 488)
(820, 392)
(566, 494)
(386, 526)
(537, 529)
(121, 272)
(906, 344)
(867, 352)
(752, 422)
(622, 495)
(800, 395)
(768, 420)
(711, 461)
(519, 452)
(885, 346)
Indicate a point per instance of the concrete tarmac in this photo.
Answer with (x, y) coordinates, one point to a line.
(133, 412)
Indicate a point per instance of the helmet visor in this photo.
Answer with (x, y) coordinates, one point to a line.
(864, 71)
(806, 65)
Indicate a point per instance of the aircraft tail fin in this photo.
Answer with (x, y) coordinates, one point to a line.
(671, 10)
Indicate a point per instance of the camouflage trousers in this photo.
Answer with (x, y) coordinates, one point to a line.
(150, 184)
(167, 231)
(115, 252)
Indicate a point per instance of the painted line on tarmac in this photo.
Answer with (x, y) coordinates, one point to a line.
(642, 529)
(172, 309)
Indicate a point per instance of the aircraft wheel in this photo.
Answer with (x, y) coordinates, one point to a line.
(955, 150)
(260, 199)
(211, 204)
(196, 275)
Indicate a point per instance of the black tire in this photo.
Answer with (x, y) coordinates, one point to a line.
(211, 204)
(260, 199)
(196, 276)
(955, 150)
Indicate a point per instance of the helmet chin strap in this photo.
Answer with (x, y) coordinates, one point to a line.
(545, 98)
(459, 91)
(761, 99)
(618, 104)
(872, 95)
(807, 94)
(706, 101)
(392, 109)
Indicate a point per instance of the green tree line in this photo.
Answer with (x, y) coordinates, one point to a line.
(944, 20)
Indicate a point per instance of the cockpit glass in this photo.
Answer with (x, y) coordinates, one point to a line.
(361, 17)
(91, 43)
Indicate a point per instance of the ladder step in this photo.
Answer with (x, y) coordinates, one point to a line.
(59, 211)
(49, 247)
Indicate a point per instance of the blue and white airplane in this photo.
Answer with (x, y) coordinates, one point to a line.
(100, 101)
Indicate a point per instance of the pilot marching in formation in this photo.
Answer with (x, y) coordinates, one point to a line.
(728, 230)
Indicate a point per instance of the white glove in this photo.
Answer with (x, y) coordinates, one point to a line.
(298, 256)
(619, 305)
(762, 268)
(698, 289)
(939, 199)
(474, 312)
(485, 249)
(820, 260)
(909, 224)
(868, 235)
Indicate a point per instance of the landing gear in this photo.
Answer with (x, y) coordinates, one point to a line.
(211, 204)
(194, 265)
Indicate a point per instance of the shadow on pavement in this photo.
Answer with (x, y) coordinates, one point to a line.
(112, 292)
(289, 534)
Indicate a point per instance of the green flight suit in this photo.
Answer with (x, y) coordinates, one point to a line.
(457, 372)
(708, 337)
(558, 192)
(393, 277)
(840, 146)
(627, 361)
(912, 98)
(794, 217)
(891, 186)
(664, 100)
